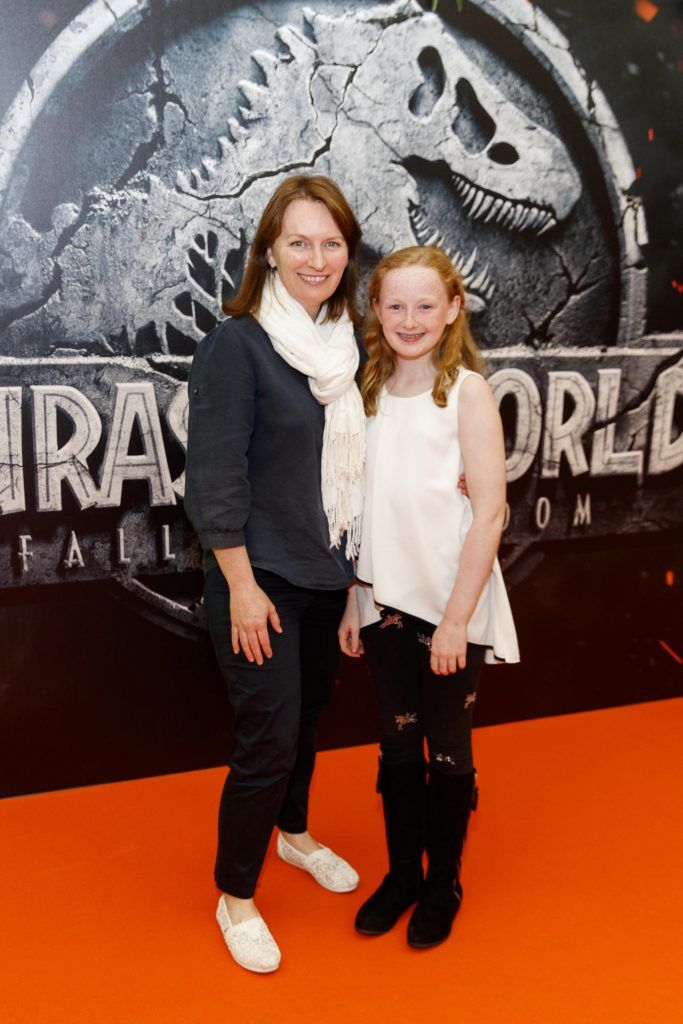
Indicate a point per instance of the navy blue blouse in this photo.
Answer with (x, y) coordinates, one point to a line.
(253, 459)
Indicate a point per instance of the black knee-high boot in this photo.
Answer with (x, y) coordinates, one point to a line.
(449, 801)
(403, 798)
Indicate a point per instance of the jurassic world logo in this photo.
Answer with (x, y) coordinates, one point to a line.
(134, 164)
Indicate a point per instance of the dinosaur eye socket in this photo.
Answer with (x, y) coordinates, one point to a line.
(430, 90)
(503, 153)
(473, 125)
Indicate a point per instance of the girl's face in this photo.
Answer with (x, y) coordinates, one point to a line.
(310, 254)
(414, 310)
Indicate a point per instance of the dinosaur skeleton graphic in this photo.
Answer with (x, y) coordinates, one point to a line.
(330, 97)
(361, 100)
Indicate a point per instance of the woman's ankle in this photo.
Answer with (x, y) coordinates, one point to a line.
(240, 909)
(303, 842)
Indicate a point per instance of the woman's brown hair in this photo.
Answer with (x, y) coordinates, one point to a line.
(300, 186)
(457, 346)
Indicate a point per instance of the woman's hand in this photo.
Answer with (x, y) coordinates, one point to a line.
(349, 627)
(250, 612)
(462, 486)
(449, 648)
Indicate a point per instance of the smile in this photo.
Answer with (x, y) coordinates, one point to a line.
(410, 337)
(313, 279)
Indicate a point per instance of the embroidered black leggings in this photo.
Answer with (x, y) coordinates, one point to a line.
(414, 703)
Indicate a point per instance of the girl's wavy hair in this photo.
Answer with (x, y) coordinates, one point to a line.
(300, 186)
(457, 346)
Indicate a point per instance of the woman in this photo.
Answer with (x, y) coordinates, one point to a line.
(431, 604)
(274, 490)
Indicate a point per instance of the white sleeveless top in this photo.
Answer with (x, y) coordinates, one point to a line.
(415, 521)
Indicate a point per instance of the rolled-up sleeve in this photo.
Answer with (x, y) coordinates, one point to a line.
(222, 390)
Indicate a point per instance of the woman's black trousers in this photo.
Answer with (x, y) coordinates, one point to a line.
(276, 708)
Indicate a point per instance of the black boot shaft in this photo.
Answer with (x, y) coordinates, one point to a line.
(449, 802)
(402, 787)
(403, 791)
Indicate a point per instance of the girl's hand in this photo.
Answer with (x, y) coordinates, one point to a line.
(250, 612)
(449, 648)
(349, 627)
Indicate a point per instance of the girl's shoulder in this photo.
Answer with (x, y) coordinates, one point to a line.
(465, 374)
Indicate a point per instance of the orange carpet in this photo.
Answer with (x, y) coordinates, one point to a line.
(572, 907)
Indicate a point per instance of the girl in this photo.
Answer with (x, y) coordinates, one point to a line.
(430, 603)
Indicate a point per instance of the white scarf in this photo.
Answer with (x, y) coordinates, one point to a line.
(328, 355)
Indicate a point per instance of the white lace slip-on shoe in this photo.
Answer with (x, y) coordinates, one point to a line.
(250, 943)
(327, 868)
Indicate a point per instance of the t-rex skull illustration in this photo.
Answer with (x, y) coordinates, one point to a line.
(406, 91)
(384, 99)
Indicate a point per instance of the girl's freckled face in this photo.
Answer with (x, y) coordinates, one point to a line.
(414, 310)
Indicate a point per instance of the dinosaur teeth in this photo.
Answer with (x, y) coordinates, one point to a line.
(550, 223)
(525, 219)
(467, 268)
(481, 280)
(433, 239)
(476, 205)
(485, 206)
(510, 216)
(493, 210)
(473, 200)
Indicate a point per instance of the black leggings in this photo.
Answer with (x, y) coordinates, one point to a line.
(276, 709)
(414, 703)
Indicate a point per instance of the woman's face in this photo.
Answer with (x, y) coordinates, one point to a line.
(414, 309)
(310, 254)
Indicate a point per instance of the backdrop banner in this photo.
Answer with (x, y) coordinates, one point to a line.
(139, 143)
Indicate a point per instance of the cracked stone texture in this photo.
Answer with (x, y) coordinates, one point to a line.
(186, 129)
